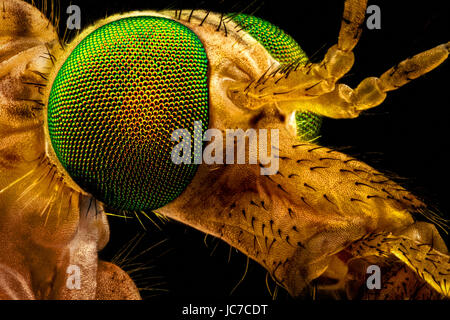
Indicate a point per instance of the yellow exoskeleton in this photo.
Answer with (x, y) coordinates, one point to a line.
(324, 217)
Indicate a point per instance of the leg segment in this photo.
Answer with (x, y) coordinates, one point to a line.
(314, 87)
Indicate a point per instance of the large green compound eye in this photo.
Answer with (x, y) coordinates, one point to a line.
(285, 50)
(115, 102)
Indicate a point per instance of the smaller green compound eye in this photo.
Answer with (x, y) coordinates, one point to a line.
(115, 102)
(285, 50)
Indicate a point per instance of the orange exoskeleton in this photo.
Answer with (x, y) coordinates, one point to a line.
(86, 125)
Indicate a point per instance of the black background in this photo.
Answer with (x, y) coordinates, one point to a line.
(407, 134)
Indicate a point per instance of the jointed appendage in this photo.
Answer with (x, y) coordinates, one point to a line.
(419, 247)
(314, 87)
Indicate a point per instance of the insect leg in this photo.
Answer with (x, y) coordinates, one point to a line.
(114, 284)
(345, 102)
(314, 79)
(423, 258)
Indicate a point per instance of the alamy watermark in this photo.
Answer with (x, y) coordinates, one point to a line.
(374, 280)
(73, 281)
(74, 19)
(235, 147)
(374, 20)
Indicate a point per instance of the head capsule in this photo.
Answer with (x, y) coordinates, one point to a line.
(128, 84)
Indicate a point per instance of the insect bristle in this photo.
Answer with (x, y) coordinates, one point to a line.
(50, 9)
(139, 264)
(242, 279)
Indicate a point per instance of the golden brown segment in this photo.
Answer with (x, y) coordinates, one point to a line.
(293, 222)
(26, 41)
(398, 282)
(351, 25)
(428, 264)
(114, 284)
(314, 87)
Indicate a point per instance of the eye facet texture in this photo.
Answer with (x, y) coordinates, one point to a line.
(285, 50)
(115, 102)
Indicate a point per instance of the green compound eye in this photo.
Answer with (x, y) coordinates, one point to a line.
(115, 102)
(285, 50)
